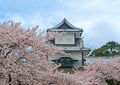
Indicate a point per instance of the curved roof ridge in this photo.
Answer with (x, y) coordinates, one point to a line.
(64, 21)
(68, 23)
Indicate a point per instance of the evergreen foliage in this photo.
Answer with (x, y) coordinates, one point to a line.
(111, 48)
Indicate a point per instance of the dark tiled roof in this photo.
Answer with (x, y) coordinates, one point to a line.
(64, 24)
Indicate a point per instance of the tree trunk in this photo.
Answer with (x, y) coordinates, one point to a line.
(112, 82)
(9, 79)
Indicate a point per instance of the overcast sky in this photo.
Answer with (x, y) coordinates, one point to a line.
(100, 19)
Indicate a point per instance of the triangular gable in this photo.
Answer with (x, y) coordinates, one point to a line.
(65, 25)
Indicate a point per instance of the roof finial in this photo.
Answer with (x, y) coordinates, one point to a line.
(64, 19)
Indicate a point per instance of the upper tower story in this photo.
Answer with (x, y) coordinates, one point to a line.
(71, 37)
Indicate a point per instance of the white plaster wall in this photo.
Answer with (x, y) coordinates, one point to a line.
(73, 55)
(78, 63)
(67, 38)
(77, 55)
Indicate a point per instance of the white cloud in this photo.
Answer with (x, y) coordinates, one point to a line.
(98, 18)
(27, 20)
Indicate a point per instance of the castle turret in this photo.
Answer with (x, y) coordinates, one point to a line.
(71, 42)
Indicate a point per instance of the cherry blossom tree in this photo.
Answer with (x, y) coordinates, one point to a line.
(101, 72)
(23, 54)
(23, 61)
